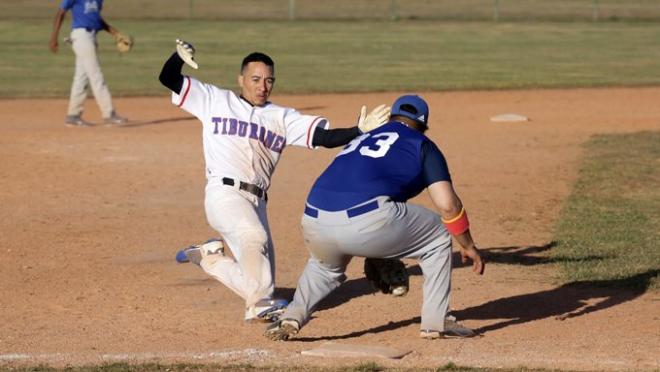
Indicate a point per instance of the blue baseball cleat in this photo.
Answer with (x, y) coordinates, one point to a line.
(195, 253)
(181, 256)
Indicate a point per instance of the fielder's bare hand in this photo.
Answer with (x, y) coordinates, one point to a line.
(52, 45)
(472, 253)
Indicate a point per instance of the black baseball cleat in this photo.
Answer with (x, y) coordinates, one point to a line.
(282, 330)
(76, 121)
(115, 119)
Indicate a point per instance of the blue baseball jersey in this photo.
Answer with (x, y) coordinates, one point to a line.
(392, 160)
(85, 13)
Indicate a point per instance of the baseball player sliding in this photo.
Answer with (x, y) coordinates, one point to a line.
(243, 138)
(357, 207)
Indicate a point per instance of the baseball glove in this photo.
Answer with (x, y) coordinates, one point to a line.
(186, 52)
(387, 275)
(124, 42)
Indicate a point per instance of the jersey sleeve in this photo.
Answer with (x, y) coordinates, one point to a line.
(194, 97)
(300, 128)
(434, 165)
(66, 4)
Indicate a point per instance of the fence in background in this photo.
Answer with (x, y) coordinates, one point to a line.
(459, 10)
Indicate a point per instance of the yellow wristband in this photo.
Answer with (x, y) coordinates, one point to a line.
(454, 219)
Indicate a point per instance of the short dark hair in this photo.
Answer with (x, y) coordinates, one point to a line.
(257, 57)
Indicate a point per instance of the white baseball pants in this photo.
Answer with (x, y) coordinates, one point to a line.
(88, 71)
(241, 219)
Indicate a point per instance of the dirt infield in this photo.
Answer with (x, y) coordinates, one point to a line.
(91, 219)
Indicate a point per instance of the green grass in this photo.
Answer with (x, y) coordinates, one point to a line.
(613, 213)
(320, 57)
(556, 10)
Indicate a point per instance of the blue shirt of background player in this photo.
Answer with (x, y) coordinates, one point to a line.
(85, 13)
(399, 168)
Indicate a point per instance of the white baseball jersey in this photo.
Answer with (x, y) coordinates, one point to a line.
(242, 141)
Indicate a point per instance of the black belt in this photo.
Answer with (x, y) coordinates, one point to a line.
(252, 189)
(351, 212)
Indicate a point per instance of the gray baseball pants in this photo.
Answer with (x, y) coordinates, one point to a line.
(88, 71)
(380, 228)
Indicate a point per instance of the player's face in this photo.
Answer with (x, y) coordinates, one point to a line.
(257, 82)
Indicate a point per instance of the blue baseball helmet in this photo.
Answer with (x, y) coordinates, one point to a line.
(413, 107)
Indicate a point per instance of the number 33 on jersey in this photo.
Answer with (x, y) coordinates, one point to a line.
(392, 160)
(382, 145)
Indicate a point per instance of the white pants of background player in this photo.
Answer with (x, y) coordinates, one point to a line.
(88, 71)
(240, 218)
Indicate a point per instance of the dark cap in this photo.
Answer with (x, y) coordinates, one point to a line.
(412, 107)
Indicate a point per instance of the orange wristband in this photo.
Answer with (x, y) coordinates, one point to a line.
(458, 224)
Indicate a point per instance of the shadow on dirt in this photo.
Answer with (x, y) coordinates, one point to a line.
(382, 328)
(518, 255)
(133, 124)
(360, 287)
(524, 256)
(567, 301)
(515, 255)
(349, 290)
(312, 108)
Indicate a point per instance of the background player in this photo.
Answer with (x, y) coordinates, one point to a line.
(243, 137)
(357, 207)
(87, 21)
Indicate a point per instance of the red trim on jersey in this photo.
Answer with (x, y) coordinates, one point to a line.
(309, 132)
(185, 95)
